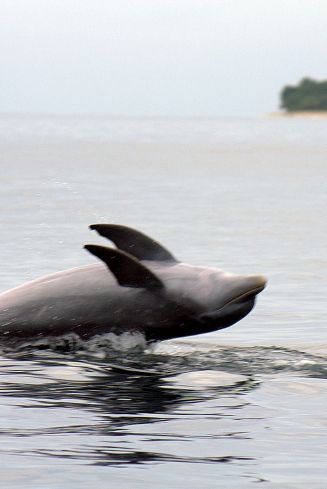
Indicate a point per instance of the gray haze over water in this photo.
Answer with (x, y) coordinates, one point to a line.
(246, 195)
(162, 58)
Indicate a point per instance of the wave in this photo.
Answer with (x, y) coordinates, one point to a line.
(129, 352)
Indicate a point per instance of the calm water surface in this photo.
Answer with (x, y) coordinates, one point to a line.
(229, 409)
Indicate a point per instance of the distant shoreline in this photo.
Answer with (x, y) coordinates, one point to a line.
(319, 114)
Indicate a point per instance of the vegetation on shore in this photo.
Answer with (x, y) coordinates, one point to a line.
(309, 95)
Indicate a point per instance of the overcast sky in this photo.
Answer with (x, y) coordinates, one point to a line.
(157, 57)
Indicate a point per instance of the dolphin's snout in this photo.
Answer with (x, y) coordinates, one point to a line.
(247, 288)
(256, 282)
(243, 288)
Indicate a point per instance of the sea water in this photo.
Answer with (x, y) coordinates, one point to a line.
(227, 409)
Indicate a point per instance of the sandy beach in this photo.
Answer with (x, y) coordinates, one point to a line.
(301, 114)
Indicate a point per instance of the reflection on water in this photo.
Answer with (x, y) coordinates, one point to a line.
(203, 406)
(76, 407)
(115, 409)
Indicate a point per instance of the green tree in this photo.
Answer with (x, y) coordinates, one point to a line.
(308, 95)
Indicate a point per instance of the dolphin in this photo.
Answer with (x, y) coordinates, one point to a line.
(137, 287)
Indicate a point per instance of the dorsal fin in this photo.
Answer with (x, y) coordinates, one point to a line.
(128, 271)
(134, 242)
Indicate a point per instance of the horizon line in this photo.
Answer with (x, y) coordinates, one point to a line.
(130, 116)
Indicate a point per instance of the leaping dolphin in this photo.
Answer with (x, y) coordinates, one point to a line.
(148, 291)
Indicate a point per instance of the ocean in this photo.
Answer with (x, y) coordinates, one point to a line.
(227, 409)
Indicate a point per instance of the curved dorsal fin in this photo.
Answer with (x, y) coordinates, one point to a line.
(134, 242)
(128, 271)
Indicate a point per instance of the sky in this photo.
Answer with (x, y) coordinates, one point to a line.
(162, 58)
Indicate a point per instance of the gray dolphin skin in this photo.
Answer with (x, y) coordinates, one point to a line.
(136, 287)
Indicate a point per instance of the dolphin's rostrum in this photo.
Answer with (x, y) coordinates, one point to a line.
(137, 287)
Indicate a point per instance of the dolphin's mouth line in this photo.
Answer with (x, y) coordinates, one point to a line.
(247, 295)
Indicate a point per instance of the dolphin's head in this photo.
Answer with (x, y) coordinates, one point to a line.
(205, 299)
(232, 297)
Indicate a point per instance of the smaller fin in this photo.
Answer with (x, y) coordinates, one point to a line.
(128, 271)
(134, 242)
